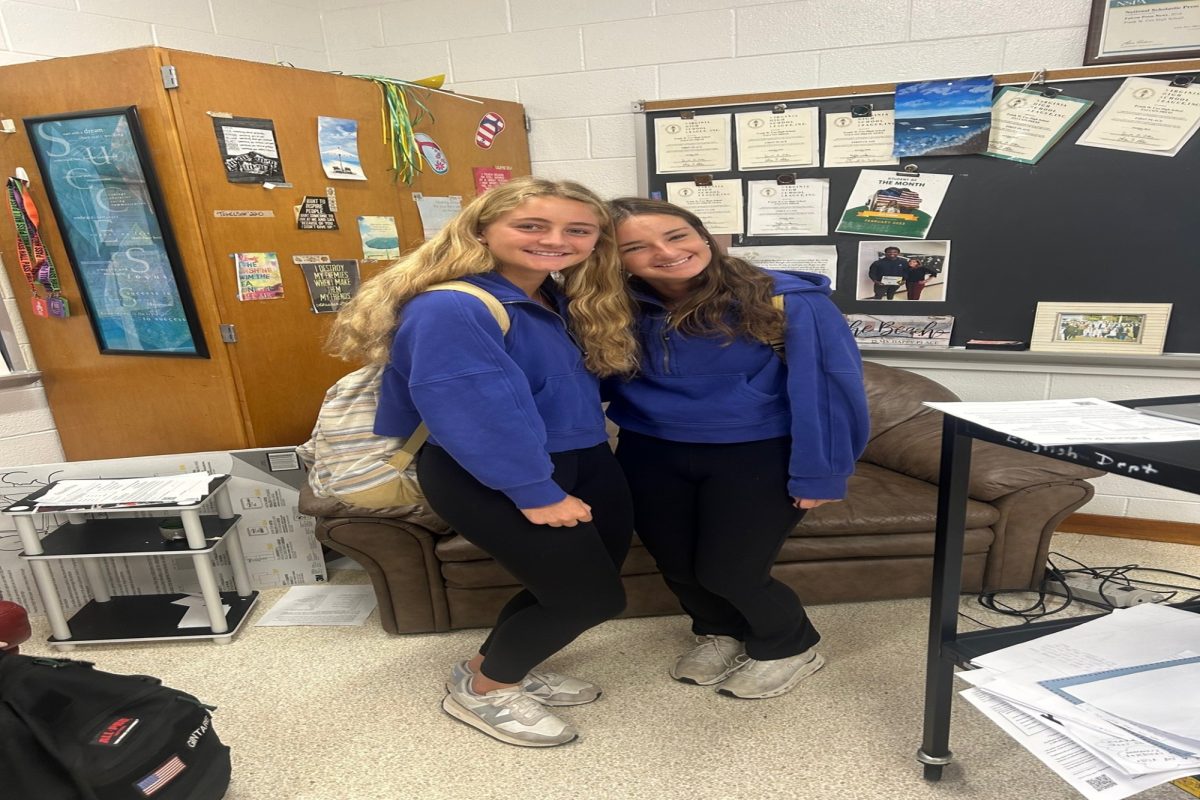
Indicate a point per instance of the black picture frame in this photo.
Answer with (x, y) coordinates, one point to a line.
(1094, 50)
(105, 195)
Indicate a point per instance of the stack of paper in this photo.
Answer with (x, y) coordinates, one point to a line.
(1111, 705)
(185, 489)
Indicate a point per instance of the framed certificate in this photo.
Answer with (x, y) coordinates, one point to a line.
(1142, 30)
(102, 188)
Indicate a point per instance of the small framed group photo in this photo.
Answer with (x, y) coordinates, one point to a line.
(1111, 328)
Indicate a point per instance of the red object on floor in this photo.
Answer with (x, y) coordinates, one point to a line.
(14, 625)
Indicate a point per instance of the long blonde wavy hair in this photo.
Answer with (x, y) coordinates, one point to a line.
(600, 310)
(730, 297)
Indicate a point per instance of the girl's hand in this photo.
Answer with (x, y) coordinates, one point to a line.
(566, 513)
(806, 503)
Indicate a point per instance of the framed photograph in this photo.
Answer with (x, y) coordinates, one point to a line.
(102, 188)
(1146, 30)
(1125, 328)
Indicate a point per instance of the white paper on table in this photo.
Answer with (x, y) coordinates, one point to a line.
(700, 144)
(818, 258)
(718, 206)
(1087, 420)
(189, 600)
(1125, 636)
(1148, 116)
(197, 616)
(321, 605)
(797, 209)
(1089, 775)
(769, 140)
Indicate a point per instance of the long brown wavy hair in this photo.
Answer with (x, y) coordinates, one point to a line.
(600, 309)
(729, 298)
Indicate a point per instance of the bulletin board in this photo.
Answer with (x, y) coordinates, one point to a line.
(1084, 224)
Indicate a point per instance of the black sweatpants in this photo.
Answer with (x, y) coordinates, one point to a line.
(715, 517)
(571, 575)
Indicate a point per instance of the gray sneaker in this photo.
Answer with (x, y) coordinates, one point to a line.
(548, 688)
(509, 715)
(758, 679)
(709, 662)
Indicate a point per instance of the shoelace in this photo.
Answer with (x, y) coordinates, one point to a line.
(716, 643)
(748, 665)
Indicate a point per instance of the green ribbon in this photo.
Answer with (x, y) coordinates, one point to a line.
(398, 124)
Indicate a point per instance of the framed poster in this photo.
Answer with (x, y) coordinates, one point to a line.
(1142, 30)
(105, 198)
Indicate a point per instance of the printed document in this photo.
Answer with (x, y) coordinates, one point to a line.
(766, 140)
(1081, 421)
(1146, 115)
(799, 209)
(321, 605)
(700, 144)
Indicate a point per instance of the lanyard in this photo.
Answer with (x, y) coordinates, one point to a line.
(32, 254)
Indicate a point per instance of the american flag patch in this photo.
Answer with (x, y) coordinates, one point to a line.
(489, 128)
(161, 776)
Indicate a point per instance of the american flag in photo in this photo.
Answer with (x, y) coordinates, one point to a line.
(489, 128)
(161, 776)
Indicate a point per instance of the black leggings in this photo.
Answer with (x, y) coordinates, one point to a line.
(715, 517)
(571, 575)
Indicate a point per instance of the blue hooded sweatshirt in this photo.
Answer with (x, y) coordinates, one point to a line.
(711, 390)
(499, 405)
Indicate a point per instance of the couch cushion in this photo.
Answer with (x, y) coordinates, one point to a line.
(882, 501)
(881, 545)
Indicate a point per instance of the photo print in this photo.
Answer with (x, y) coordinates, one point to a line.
(903, 270)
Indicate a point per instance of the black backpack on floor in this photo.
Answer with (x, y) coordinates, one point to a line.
(70, 732)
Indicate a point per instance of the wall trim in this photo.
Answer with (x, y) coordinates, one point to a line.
(1152, 530)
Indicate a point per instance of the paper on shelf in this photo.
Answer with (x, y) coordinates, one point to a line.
(197, 616)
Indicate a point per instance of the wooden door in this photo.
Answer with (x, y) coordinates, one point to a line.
(281, 370)
(109, 405)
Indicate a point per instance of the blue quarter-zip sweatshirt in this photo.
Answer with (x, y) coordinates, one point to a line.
(711, 390)
(498, 404)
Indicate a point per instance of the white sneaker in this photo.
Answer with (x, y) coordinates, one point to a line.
(755, 680)
(509, 715)
(548, 688)
(709, 662)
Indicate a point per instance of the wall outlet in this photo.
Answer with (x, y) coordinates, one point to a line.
(1101, 592)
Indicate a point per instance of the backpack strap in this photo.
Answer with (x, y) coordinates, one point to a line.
(777, 344)
(405, 455)
(483, 295)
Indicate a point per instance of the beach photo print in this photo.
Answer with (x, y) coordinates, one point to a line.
(943, 118)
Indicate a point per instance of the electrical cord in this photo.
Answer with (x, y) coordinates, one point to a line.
(1108, 576)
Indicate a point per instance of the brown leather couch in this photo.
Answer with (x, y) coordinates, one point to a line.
(875, 545)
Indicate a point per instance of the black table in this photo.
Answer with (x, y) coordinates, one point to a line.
(1172, 464)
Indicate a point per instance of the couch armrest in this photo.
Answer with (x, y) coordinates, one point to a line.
(1028, 518)
(913, 448)
(397, 551)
